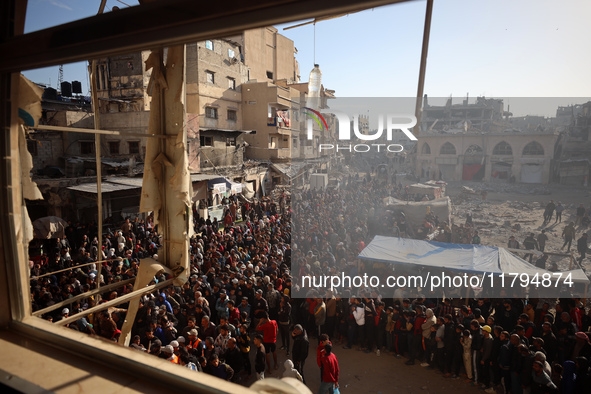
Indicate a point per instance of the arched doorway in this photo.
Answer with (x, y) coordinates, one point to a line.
(473, 169)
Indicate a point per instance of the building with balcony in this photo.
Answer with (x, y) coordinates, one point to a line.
(272, 111)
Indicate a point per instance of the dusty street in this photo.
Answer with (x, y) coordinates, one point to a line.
(367, 373)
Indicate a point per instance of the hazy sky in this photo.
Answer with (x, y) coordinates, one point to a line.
(496, 48)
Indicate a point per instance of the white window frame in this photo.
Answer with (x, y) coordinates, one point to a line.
(210, 77)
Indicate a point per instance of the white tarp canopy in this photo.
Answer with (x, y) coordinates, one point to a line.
(415, 211)
(478, 259)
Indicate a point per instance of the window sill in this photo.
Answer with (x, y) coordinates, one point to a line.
(59, 359)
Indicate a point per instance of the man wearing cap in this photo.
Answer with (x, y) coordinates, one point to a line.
(168, 350)
(194, 345)
(485, 360)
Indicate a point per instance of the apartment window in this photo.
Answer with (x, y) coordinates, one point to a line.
(210, 77)
(134, 147)
(270, 74)
(32, 147)
(206, 141)
(231, 53)
(86, 147)
(114, 147)
(209, 44)
(231, 83)
(232, 115)
(211, 112)
(231, 141)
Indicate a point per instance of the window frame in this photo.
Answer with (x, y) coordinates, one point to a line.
(209, 45)
(84, 145)
(118, 144)
(203, 139)
(210, 77)
(129, 145)
(231, 83)
(211, 110)
(233, 118)
(18, 313)
(425, 149)
(448, 151)
(529, 151)
(500, 149)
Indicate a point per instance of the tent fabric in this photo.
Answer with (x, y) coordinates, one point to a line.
(415, 211)
(248, 190)
(470, 171)
(199, 191)
(531, 173)
(49, 227)
(477, 259)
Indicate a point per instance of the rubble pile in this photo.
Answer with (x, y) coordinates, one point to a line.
(496, 221)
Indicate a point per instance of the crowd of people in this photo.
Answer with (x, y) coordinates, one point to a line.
(242, 303)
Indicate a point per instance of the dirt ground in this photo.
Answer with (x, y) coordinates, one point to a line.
(523, 205)
(367, 373)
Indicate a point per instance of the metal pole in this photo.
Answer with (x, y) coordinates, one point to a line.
(97, 148)
(423, 66)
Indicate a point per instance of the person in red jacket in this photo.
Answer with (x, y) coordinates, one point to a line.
(269, 329)
(329, 366)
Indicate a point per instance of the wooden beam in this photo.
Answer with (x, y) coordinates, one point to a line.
(117, 301)
(96, 131)
(103, 289)
(161, 24)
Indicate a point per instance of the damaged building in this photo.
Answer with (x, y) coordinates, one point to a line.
(574, 167)
(474, 156)
(480, 142)
(243, 111)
